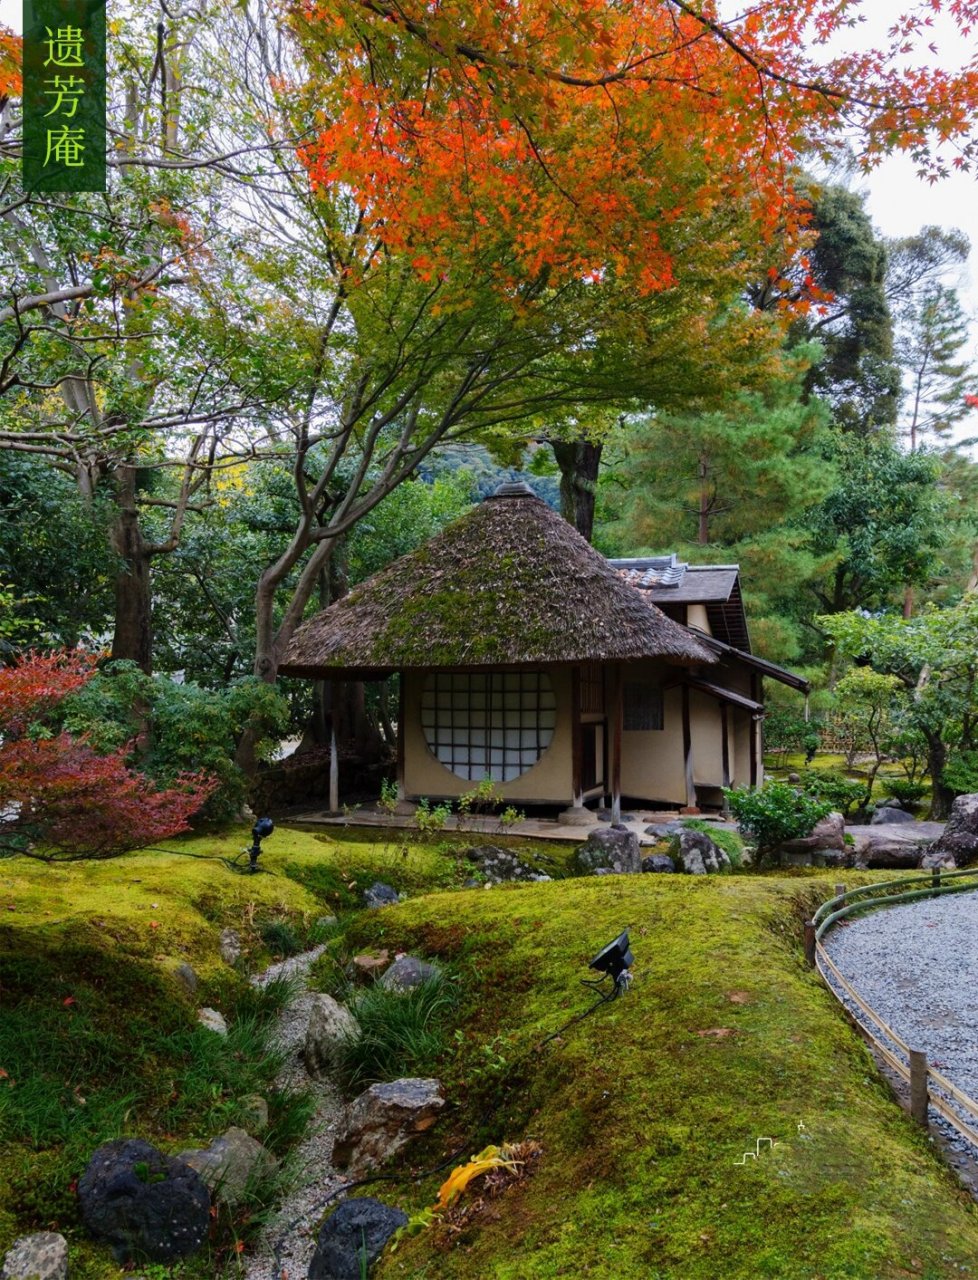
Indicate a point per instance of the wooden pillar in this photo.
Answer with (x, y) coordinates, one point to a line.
(617, 719)
(725, 745)
(401, 703)
(688, 751)
(334, 768)
(577, 780)
(755, 733)
(810, 942)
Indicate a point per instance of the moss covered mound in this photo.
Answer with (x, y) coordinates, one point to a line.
(725, 1045)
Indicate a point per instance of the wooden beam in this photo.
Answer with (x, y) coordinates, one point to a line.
(617, 720)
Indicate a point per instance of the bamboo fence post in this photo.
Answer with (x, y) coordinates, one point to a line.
(918, 1086)
(810, 942)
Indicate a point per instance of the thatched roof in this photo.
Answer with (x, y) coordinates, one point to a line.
(510, 584)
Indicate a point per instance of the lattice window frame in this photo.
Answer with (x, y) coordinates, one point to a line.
(488, 724)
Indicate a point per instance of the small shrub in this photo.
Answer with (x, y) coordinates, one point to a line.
(842, 793)
(774, 814)
(402, 1033)
(431, 820)
(388, 796)
(902, 789)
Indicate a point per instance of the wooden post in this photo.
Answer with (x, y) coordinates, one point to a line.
(935, 878)
(617, 717)
(401, 726)
(810, 942)
(839, 890)
(334, 766)
(724, 745)
(756, 756)
(918, 1086)
(688, 751)
(577, 781)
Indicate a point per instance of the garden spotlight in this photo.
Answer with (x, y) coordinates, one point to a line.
(614, 961)
(263, 827)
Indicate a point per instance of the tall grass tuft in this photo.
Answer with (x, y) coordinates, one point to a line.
(401, 1032)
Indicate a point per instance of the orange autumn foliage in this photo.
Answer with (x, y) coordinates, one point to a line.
(606, 141)
(11, 83)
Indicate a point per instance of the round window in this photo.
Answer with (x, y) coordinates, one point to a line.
(494, 726)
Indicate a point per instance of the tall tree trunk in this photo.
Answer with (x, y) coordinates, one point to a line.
(942, 797)
(133, 635)
(578, 461)
(703, 528)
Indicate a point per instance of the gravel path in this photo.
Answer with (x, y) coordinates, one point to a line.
(916, 966)
(286, 1244)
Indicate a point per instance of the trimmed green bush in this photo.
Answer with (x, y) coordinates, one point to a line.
(842, 793)
(774, 814)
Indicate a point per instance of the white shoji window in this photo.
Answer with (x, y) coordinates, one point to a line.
(494, 725)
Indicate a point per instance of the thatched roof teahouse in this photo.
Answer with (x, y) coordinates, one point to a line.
(509, 585)
(527, 658)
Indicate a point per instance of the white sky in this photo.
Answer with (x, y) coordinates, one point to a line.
(899, 203)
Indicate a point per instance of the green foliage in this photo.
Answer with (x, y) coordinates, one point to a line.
(908, 792)
(834, 787)
(190, 727)
(775, 813)
(280, 938)
(402, 1033)
(431, 819)
(388, 796)
(960, 774)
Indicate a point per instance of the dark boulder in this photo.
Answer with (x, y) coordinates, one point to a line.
(408, 972)
(499, 866)
(145, 1205)
(887, 815)
(658, 862)
(960, 836)
(380, 895)
(609, 849)
(696, 854)
(359, 1229)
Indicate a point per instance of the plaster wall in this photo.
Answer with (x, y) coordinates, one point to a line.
(549, 781)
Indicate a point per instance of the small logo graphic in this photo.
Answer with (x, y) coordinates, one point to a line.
(753, 1155)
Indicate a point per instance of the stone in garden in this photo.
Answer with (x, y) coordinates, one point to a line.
(213, 1021)
(658, 862)
(408, 972)
(368, 967)
(576, 816)
(142, 1203)
(187, 977)
(41, 1256)
(327, 922)
(960, 836)
(936, 859)
(253, 1113)
(230, 1164)
(794, 778)
(890, 814)
(382, 1120)
(696, 854)
(499, 865)
(893, 844)
(664, 830)
(331, 1025)
(828, 834)
(359, 1228)
(380, 895)
(609, 848)
(230, 946)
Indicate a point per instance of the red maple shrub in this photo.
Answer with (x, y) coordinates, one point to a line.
(60, 800)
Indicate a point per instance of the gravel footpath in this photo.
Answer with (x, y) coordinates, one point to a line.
(286, 1244)
(916, 966)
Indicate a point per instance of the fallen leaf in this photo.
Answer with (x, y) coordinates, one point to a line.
(68, 1000)
(717, 1032)
(738, 997)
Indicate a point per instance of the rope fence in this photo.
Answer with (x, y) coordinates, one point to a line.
(928, 1086)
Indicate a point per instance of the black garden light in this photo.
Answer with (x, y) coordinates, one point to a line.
(263, 827)
(614, 961)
